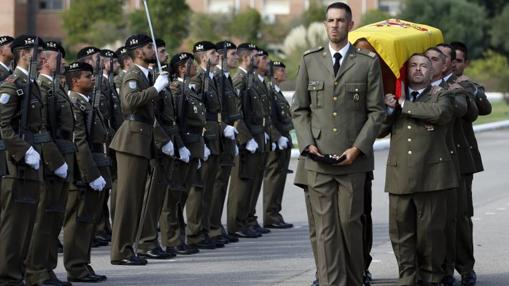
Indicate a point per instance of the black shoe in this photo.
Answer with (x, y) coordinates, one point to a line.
(90, 278)
(184, 249)
(246, 233)
(231, 238)
(131, 261)
(448, 280)
(156, 253)
(279, 225)
(366, 278)
(259, 229)
(469, 280)
(219, 242)
(205, 243)
(51, 281)
(315, 283)
(99, 242)
(171, 251)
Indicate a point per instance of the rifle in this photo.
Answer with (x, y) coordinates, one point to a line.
(185, 87)
(206, 83)
(24, 131)
(96, 95)
(52, 97)
(113, 94)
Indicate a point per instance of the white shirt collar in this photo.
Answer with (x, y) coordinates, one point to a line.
(261, 78)
(47, 76)
(436, 82)
(226, 74)
(83, 96)
(242, 69)
(343, 52)
(276, 87)
(447, 77)
(144, 70)
(419, 91)
(105, 76)
(5, 66)
(211, 74)
(22, 70)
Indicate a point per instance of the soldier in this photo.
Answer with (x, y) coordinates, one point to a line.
(191, 121)
(43, 254)
(251, 140)
(198, 200)
(420, 172)
(6, 56)
(133, 144)
(465, 260)
(338, 111)
(228, 59)
(125, 62)
(92, 175)
(23, 125)
(278, 161)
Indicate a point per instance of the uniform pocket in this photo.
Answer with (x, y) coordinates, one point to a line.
(315, 89)
(356, 94)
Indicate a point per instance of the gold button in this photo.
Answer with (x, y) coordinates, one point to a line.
(334, 130)
(356, 89)
(410, 111)
(410, 152)
(335, 98)
(409, 139)
(452, 152)
(335, 83)
(334, 114)
(409, 127)
(440, 159)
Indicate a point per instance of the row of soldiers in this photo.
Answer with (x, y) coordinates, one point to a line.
(160, 139)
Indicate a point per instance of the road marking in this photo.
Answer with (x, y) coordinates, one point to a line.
(501, 209)
(489, 213)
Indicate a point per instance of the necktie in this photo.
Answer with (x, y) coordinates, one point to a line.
(413, 95)
(151, 78)
(337, 58)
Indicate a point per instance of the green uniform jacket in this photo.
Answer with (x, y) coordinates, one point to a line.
(281, 116)
(419, 159)
(137, 96)
(4, 73)
(337, 112)
(110, 106)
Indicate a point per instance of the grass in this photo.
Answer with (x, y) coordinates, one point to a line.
(500, 111)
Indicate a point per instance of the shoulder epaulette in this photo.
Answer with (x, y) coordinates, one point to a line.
(366, 52)
(436, 90)
(314, 50)
(463, 78)
(11, 78)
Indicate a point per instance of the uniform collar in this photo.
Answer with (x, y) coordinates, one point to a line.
(47, 76)
(82, 96)
(447, 77)
(419, 91)
(242, 69)
(144, 70)
(5, 66)
(24, 71)
(276, 87)
(261, 78)
(343, 52)
(437, 82)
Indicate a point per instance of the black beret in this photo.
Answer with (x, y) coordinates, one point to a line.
(180, 58)
(225, 45)
(121, 51)
(278, 64)
(4, 40)
(247, 46)
(137, 41)
(262, 52)
(203, 46)
(25, 42)
(79, 66)
(108, 54)
(54, 46)
(87, 51)
(160, 43)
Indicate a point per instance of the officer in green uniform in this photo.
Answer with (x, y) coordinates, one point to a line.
(420, 172)
(465, 260)
(134, 147)
(278, 161)
(91, 178)
(43, 255)
(338, 110)
(25, 136)
(125, 62)
(198, 200)
(230, 114)
(251, 140)
(191, 122)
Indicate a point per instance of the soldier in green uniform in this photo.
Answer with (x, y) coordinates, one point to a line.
(465, 260)
(230, 114)
(191, 122)
(338, 110)
(6, 58)
(250, 139)
(43, 255)
(198, 200)
(420, 172)
(125, 62)
(23, 124)
(134, 147)
(91, 177)
(278, 161)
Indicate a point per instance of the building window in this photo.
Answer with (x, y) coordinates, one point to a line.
(51, 4)
(276, 7)
(221, 6)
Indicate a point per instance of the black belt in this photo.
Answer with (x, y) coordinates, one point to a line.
(64, 134)
(233, 117)
(192, 137)
(171, 129)
(42, 137)
(65, 146)
(211, 116)
(139, 118)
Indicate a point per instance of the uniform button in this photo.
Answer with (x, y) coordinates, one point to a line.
(335, 83)
(335, 98)
(356, 89)
(334, 130)
(410, 152)
(440, 159)
(334, 114)
(409, 127)
(410, 111)
(141, 130)
(409, 139)
(452, 152)
(458, 145)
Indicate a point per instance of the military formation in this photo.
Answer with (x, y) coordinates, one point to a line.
(339, 109)
(114, 148)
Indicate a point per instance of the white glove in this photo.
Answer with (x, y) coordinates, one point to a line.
(282, 142)
(236, 150)
(230, 132)
(32, 158)
(184, 154)
(98, 184)
(206, 153)
(251, 146)
(273, 146)
(62, 171)
(168, 149)
(267, 137)
(161, 81)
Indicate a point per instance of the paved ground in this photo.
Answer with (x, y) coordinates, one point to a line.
(284, 257)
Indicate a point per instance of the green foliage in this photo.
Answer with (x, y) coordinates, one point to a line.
(210, 27)
(314, 13)
(169, 19)
(459, 20)
(373, 16)
(492, 7)
(85, 22)
(498, 31)
(492, 71)
(246, 25)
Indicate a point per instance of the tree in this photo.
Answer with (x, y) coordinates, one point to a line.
(492, 7)
(498, 31)
(170, 20)
(246, 24)
(373, 16)
(459, 20)
(492, 71)
(85, 22)
(314, 13)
